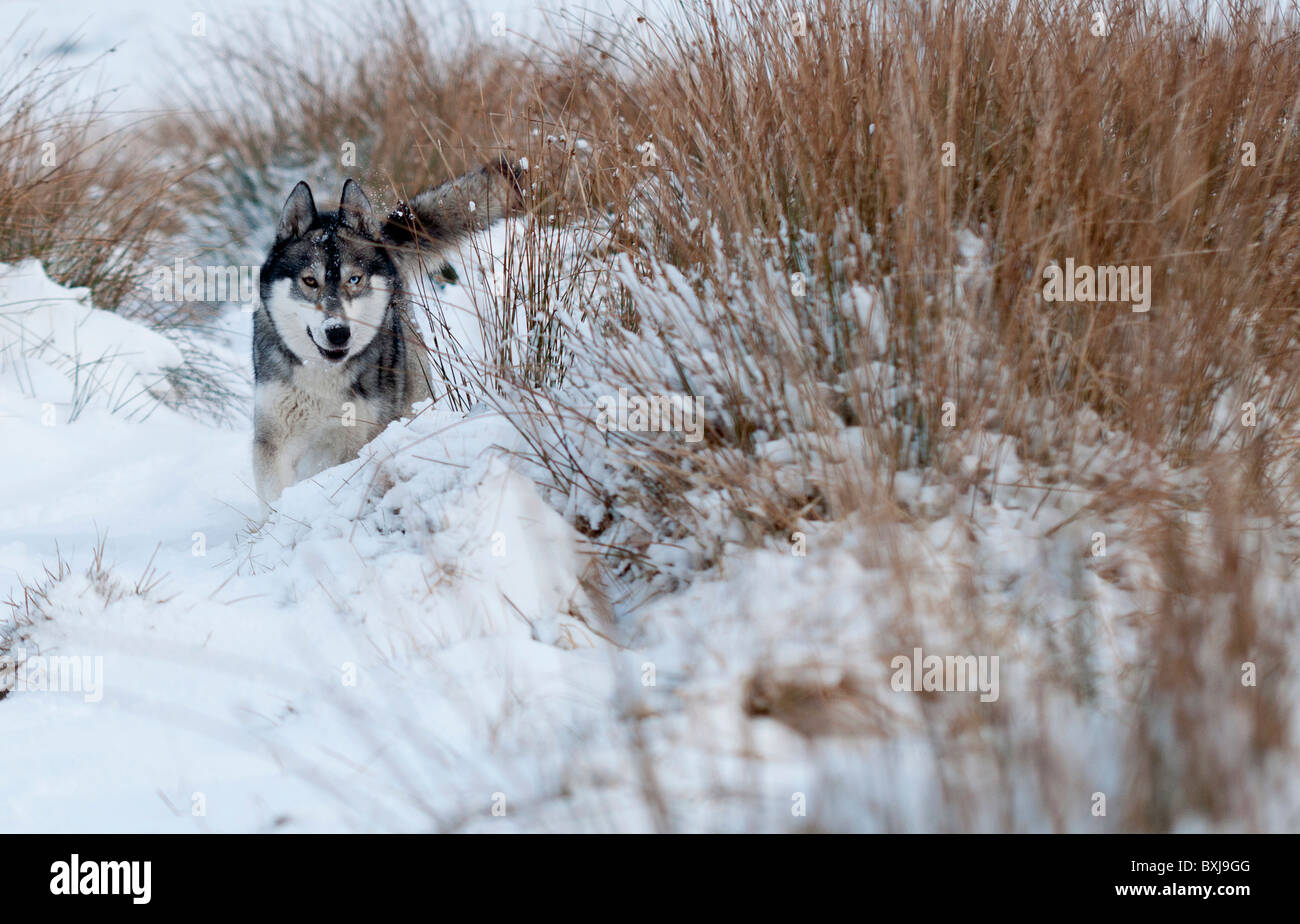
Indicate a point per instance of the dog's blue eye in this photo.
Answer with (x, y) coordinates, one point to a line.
(355, 280)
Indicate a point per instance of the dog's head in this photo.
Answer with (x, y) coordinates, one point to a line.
(328, 280)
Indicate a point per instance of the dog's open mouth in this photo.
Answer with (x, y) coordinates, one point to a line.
(332, 355)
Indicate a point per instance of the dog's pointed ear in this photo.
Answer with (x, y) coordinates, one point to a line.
(298, 214)
(355, 211)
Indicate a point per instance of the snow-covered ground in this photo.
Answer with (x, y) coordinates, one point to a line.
(413, 641)
(273, 673)
(404, 645)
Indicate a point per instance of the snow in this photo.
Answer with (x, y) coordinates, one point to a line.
(103, 358)
(228, 678)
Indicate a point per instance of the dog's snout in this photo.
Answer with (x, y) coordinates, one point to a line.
(336, 332)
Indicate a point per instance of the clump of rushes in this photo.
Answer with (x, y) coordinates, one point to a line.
(80, 191)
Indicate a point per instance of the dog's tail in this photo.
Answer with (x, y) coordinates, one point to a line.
(438, 218)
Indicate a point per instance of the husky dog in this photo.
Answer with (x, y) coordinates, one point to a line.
(335, 355)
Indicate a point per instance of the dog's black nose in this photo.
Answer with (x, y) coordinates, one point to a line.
(337, 334)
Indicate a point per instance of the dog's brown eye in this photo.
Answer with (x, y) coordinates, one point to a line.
(309, 281)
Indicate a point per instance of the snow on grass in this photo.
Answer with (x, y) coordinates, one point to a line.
(48, 331)
(415, 640)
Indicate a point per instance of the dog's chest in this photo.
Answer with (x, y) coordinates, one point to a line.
(319, 419)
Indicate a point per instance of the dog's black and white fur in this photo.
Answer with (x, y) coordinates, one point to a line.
(335, 355)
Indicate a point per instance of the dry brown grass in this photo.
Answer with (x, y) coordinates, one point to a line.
(1062, 150)
(77, 189)
(416, 109)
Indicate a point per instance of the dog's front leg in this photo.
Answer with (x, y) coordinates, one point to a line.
(272, 467)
